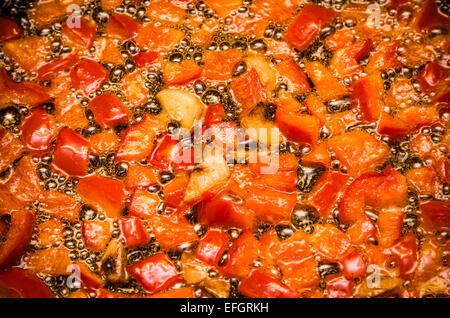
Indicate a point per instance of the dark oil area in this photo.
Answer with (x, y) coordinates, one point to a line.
(303, 218)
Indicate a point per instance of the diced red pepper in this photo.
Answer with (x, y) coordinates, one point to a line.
(270, 205)
(225, 213)
(212, 246)
(172, 231)
(97, 234)
(248, 90)
(133, 231)
(17, 238)
(10, 148)
(241, 255)
(436, 214)
(88, 75)
(105, 194)
(174, 192)
(156, 273)
(71, 154)
(121, 26)
(405, 253)
(384, 57)
(423, 180)
(345, 62)
(21, 188)
(362, 231)
(376, 190)
(307, 25)
(143, 204)
(224, 134)
(9, 30)
(24, 93)
(260, 285)
(295, 126)
(169, 154)
(419, 116)
(158, 38)
(38, 132)
(141, 177)
(368, 96)
(62, 64)
(339, 39)
(83, 34)
(432, 75)
(145, 59)
(326, 85)
(103, 142)
(181, 73)
(352, 265)
(295, 75)
(214, 113)
(389, 223)
(430, 17)
(359, 152)
(223, 8)
(108, 110)
(392, 126)
(338, 286)
(330, 243)
(326, 191)
(17, 282)
(89, 278)
(280, 180)
(219, 66)
(137, 141)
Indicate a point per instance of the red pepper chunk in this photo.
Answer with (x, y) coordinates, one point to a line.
(156, 273)
(345, 62)
(145, 59)
(326, 190)
(169, 154)
(141, 177)
(174, 192)
(133, 231)
(376, 190)
(405, 253)
(432, 75)
(121, 26)
(108, 110)
(38, 132)
(368, 96)
(10, 148)
(384, 57)
(430, 16)
(21, 283)
(88, 75)
(295, 75)
(352, 265)
(23, 93)
(338, 286)
(241, 255)
(248, 90)
(17, 238)
(226, 213)
(137, 141)
(97, 234)
(83, 34)
(269, 204)
(212, 246)
(436, 214)
(392, 126)
(71, 154)
(143, 204)
(295, 126)
(307, 26)
(214, 113)
(330, 243)
(260, 285)
(53, 68)
(219, 66)
(105, 194)
(9, 30)
(181, 73)
(362, 231)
